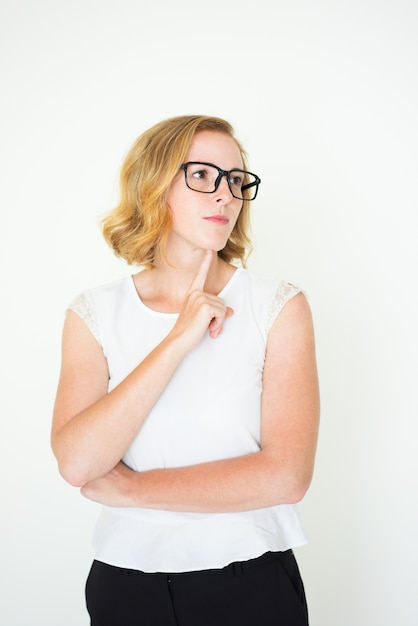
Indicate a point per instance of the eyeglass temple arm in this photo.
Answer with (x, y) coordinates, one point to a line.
(248, 185)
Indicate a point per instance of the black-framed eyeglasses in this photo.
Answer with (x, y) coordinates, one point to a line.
(206, 178)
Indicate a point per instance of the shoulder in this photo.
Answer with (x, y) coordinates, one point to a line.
(271, 293)
(282, 293)
(93, 295)
(89, 304)
(269, 284)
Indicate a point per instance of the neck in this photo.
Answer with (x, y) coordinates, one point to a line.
(164, 287)
(177, 272)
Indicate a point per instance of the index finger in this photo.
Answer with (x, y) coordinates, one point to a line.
(199, 280)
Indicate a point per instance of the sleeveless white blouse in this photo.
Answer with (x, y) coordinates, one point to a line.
(210, 410)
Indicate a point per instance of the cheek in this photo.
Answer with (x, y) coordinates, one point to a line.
(175, 193)
(176, 207)
(239, 217)
(238, 210)
(170, 199)
(183, 216)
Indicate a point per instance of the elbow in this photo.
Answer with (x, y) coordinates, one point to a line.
(296, 494)
(72, 475)
(298, 485)
(69, 469)
(289, 481)
(290, 485)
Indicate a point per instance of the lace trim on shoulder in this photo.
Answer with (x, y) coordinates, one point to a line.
(83, 305)
(284, 292)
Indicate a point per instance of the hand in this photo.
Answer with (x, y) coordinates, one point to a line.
(114, 489)
(201, 311)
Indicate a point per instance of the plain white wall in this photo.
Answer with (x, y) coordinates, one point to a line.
(324, 95)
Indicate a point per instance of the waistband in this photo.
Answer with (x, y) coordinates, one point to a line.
(237, 568)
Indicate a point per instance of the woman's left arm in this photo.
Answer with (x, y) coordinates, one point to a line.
(280, 473)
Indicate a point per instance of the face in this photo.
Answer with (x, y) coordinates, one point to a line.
(204, 221)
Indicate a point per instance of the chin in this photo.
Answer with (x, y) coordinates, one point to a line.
(217, 245)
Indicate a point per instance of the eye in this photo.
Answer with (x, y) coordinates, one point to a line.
(200, 174)
(236, 179)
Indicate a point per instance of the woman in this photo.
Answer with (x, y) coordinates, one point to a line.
(188, 399)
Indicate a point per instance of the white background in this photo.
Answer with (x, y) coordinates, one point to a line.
(324, 96)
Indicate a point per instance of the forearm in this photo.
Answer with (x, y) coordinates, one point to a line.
(248, 482)
(91, 443)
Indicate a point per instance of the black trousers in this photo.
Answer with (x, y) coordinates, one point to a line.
(267, 591)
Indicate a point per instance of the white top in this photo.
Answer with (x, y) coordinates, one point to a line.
(210, 410)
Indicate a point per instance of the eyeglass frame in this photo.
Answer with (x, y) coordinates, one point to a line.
(223, 173)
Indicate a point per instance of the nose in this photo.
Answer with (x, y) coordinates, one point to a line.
(223, 190)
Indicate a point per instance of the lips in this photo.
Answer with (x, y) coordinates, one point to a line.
(218, 219)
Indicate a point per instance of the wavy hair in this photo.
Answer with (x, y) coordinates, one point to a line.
(138, 227)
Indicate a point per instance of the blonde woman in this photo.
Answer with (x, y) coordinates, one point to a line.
(188, 399)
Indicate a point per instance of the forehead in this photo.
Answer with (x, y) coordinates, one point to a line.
(215, 147)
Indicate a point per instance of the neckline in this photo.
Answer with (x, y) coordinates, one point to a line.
(145, 307)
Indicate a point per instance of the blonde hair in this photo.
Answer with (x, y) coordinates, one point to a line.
(139, 226)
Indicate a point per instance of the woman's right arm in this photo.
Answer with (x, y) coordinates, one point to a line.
(91, 428)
